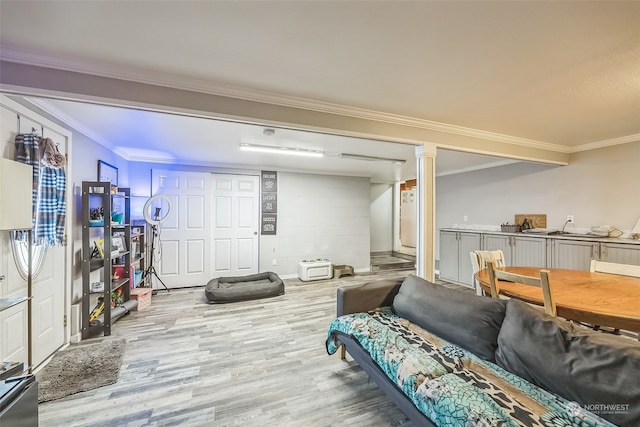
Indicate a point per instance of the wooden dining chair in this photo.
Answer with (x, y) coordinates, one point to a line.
(542, 282)
(615, 268)
(479, 260)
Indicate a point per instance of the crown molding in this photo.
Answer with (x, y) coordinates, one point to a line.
(606, 143)
(68, 120)
(175, 81)
(54, 111)
(479, 167)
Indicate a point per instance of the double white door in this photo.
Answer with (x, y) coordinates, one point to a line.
(212, 229)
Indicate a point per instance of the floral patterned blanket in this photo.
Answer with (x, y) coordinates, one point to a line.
(450, 385)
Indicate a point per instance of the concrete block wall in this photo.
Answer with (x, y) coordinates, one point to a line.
(322, 216)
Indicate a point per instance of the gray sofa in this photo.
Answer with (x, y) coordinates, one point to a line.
(449, 357)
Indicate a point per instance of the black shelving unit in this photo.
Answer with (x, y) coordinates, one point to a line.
(138, 247)
(98, 195)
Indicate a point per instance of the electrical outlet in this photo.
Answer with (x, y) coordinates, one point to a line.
(465, 218)
(570, 219)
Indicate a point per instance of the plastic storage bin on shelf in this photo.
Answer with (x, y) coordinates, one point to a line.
(137, 278)
(315, 269)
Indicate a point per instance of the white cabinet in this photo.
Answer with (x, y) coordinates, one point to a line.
(455, 262)
(529, 251)
(13, 324)
(526, 250)
(573, 254)
(577, 254)
(518, 250)
(620, 253)
(502, 242)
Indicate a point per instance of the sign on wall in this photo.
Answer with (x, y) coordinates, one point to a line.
(269, 222)
(269, 202)
(269, 182)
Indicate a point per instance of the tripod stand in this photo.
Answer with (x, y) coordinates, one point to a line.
(151, 269)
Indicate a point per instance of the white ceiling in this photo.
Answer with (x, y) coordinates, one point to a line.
(565, 74)
(140, 135)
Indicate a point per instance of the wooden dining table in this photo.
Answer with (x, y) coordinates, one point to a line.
(596, 298)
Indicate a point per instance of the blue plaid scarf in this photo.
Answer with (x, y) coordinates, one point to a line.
(49, 187)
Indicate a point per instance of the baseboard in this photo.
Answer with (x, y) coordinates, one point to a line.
(295, 276)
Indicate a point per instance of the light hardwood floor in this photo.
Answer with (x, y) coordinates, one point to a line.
(254, 363)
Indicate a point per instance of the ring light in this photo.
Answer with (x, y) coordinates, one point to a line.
(157, 219)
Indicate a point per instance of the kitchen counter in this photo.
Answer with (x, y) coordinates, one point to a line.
(570, 236)
(568, 251)
(6, 303)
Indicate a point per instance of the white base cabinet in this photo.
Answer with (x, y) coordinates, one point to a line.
(13, 339)
(577, 254)
(573, 254)
(620, 253)
(518, 250)
(455, 262)
(501, 242)
(533, 251)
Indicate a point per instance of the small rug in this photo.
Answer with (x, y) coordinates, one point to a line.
(80, 368)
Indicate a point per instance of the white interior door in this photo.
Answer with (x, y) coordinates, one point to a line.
(183, 249)
(48, 290)
(48, 287)
(48, 307)
(236, 204)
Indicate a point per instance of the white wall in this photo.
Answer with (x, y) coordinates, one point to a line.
(597, 187)
(381, 214)
(321, 216)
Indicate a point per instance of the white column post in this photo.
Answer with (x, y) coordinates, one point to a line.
(425, 250)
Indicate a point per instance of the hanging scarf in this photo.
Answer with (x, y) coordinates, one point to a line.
(53, 185)
(49, 154)
(49, 187)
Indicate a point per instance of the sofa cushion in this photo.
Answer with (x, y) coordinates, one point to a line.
(460, 317)
(597, 370)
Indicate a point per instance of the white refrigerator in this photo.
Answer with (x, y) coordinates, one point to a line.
(408, 214)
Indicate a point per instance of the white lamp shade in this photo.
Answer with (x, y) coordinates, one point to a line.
(16, 189)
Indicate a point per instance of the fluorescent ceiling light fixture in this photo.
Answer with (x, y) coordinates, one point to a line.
(281, 150)
(372, 158)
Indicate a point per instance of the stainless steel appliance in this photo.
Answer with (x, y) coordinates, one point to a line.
(19, 402)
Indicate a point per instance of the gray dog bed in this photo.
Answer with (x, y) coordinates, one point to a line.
(241, 288)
